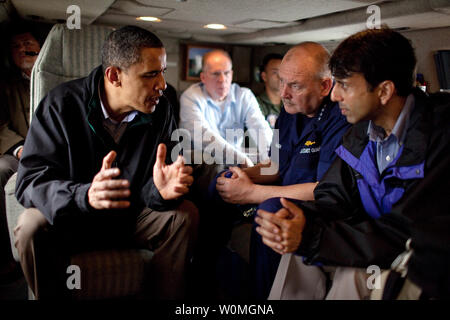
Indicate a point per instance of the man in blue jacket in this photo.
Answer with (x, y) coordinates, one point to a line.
(360, 216)
(93, 171)
(309, 129)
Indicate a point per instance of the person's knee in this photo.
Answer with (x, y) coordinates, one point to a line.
(274, 204)
(8, 166)
(271, 205)
(28, 224)
(187, 215)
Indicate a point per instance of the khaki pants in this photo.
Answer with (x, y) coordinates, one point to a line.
(296, 281)
(349, 284)
(409, 290)
(171, 235)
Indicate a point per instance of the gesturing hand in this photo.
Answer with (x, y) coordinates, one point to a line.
(282, 230)
(172, 180)
(106, 192)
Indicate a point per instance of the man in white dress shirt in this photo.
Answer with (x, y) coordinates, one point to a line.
(215, 111)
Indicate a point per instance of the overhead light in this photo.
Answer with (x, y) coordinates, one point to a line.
(216, 26)
(152, 19)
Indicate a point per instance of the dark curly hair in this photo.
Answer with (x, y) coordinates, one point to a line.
(379, 54)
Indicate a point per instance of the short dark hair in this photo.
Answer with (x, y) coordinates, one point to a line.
(122, 47)
(267, 58)
(379, 54)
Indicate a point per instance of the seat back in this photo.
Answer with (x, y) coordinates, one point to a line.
(66, 54)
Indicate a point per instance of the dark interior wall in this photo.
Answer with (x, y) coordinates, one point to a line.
(426, 43)
(246, 62)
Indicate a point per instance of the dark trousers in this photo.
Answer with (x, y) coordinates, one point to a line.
(263, 260)
(216, 221)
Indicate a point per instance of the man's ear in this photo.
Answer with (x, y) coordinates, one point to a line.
(263, 76)
(386, 90)
(326, 85)
(112, 75)
(202, 77)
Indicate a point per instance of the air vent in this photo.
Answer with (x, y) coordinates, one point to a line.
(367, 1)
(34, 17)
(402, 29)
(261, 24)
(274, 43)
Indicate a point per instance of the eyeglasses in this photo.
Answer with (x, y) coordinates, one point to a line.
(217, 74)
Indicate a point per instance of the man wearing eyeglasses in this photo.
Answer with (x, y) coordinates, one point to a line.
(215, 111)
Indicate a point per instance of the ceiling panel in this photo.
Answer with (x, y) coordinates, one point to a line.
(168, 24)
(337, 32)
(231, 11)
(247, 21)
(53, 10)
(186, 19)
(136, 9)
(262, 24)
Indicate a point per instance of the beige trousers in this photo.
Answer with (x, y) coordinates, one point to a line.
(409, 290)
(171, 235)
(296, 281)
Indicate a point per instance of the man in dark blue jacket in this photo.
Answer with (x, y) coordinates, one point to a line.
(93, 170)
(358, 218)
(308, 131)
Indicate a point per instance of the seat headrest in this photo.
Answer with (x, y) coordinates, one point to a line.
(67, 54)
(72, 53)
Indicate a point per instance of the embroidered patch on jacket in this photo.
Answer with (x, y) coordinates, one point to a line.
(309, 143)
(309, 150)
